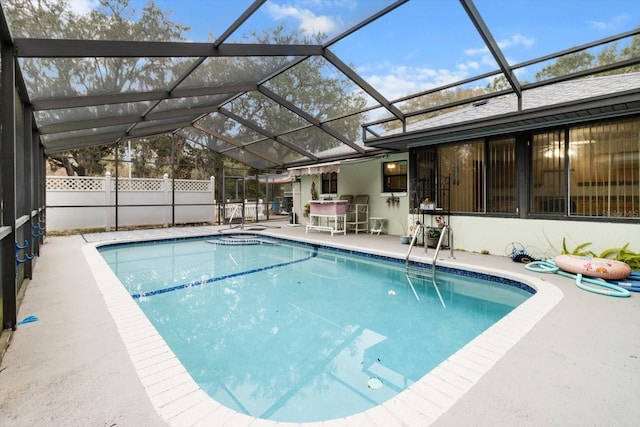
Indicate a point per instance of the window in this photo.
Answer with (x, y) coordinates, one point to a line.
(590, 171)
(423, 183)
(469, 175)
(394, 177)
(501, 176)
(330, 183)
(549, 176)
(464, 164)
(604, 164)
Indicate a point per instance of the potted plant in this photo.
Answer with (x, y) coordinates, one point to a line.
(433, 235)
(306, 210)
(405, 238)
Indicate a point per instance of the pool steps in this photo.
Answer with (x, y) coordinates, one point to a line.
(236, 241)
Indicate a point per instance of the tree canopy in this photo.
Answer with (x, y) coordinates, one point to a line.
(310, 85)
(307, 84)
(55, 77)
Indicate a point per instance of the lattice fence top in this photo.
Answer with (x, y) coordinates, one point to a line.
(80, 183)
(191, 185)
(138, 184)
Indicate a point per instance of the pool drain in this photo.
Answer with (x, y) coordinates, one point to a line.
(374, 383)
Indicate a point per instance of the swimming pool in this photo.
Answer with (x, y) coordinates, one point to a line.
(256, 324)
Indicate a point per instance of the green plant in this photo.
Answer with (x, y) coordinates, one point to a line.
(434, 233)
(619, 254)
(623, 254)
(577, 250)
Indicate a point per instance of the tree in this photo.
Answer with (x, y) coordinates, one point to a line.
(567, 64)
(53, 77)
(608, 55)
(498, 83)
(578, 61)
(631, 51)
(84, 162)
(153, 157)
(585, 60)
(311, 85)
(436, 99)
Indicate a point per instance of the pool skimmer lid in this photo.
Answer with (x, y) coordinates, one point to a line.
(374, 383)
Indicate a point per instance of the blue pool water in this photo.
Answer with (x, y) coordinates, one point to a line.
(295, 332)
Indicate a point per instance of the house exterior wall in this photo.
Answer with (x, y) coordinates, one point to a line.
(577, 181)
(365, 177)
(474, 233)
(541, 238)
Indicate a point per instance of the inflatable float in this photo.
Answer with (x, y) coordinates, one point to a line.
(602, 286)
(602, 268)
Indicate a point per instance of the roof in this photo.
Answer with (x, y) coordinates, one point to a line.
(561, 103)
(251, 98)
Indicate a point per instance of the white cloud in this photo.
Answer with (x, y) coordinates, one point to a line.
(309, 23)
(514, 40)
(489, 61)
(485, 57)
(469, 66)
(346, 4)
(613, 24)
(398, 81)
(476, 51)
(82, 7)
(598, 25)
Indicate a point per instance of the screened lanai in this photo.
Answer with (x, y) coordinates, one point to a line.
(232, 92)
(273, 84)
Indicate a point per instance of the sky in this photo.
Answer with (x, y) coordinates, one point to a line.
(423, 43)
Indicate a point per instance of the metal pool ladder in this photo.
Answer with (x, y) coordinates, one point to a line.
(418, 273)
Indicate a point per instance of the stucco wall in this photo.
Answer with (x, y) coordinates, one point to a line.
(542, 238)
(365, 177)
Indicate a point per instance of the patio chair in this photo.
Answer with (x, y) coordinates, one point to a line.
(358, 214)
(347, 197)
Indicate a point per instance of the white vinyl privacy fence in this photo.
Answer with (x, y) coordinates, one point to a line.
(92, 202)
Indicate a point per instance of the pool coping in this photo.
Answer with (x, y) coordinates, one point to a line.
(180, 401)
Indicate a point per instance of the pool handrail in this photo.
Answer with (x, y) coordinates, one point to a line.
(414, 238)
(435, 259)
(233, 214)
(433, 262)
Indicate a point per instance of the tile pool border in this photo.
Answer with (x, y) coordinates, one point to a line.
(180, 401)
(395, 259)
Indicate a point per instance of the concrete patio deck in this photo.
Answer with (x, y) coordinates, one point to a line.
(579, 365)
